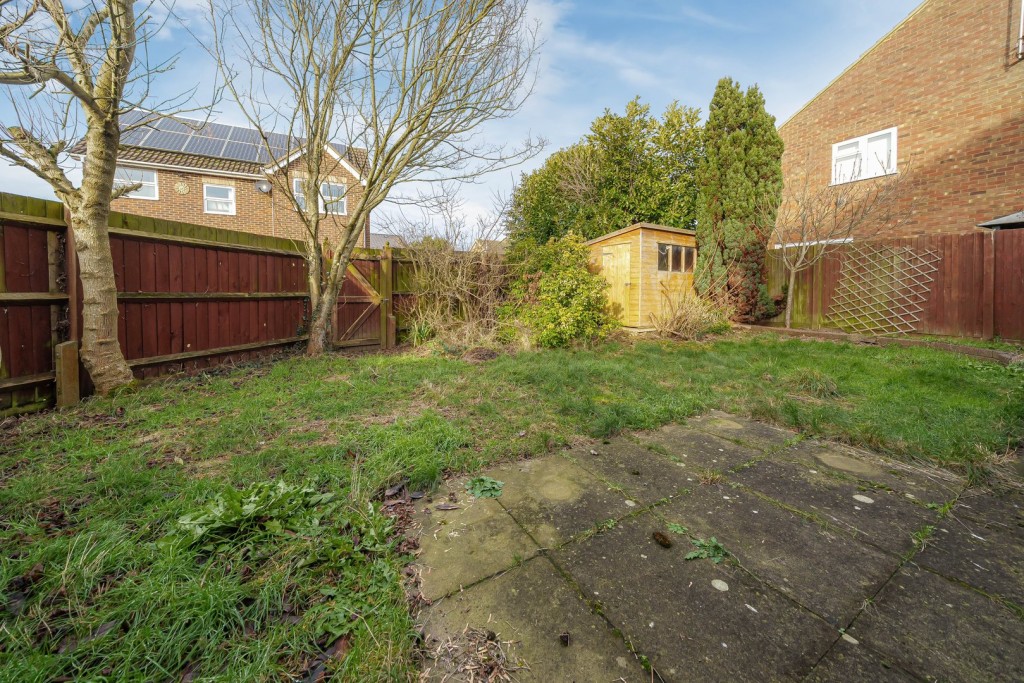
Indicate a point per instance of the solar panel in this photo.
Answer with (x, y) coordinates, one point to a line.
(242, 151)
(134, 137)
(218, 131)
(209, 138)
(204, 146)
(169, 125)
(171, 142)
(239, 134)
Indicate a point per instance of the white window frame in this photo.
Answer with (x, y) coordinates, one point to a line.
(341, 204)
(131, 195)
(861, 164)
(232, 199)
(300, 197)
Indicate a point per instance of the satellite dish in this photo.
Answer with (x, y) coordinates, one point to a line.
(264, 186)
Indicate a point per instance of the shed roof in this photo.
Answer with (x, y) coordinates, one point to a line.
(1013, 220)
(643, 226)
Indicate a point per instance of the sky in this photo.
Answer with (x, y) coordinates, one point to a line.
(599, 54)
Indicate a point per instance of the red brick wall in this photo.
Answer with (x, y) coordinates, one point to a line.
(949, 78)
(255, 212)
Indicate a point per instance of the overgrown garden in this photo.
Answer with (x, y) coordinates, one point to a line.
(230, 526)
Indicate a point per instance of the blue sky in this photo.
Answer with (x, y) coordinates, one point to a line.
(601, 53)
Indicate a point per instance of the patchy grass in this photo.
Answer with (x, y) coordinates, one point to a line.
(312, 576)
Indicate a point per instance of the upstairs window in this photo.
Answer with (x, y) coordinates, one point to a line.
(674, 258)
(219, 199)
(332, 199)
(300, 195)
(124, 175)
(868, 156)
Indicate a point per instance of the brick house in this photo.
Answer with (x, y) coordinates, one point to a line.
(223, 176)
(941, 95)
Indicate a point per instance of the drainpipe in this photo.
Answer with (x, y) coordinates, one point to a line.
(1020, 39)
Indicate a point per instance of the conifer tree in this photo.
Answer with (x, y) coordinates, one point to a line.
(740, 187)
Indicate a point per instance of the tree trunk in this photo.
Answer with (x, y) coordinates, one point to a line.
(101, 352)
(789, 297)
(320, 324)
(90, 213)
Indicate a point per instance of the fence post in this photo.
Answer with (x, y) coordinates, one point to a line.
(71, 277)
(988, 298)
(386, 287)
(65, 361)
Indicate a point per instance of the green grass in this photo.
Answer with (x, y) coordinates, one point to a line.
(88, 494)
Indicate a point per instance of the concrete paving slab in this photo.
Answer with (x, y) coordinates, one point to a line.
(852, 661)
(942, 630)
(532, 605)
(645, 476)
(698, 449)
(826, 571)
(460, 547)
(917, 482)
(981, 542)
(694, 620)
(756, 434)
(555, 500)
(883, 518)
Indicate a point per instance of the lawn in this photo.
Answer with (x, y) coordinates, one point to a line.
(283, 565)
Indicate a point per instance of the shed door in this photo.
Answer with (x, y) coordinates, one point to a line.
(615, 268)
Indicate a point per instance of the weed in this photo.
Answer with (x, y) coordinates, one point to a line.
(484, 487)
(709, 549)
(677, 528)
(710, 477)
(922, 536)
(815, 382)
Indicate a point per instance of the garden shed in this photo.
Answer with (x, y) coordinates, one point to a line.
(648, 268)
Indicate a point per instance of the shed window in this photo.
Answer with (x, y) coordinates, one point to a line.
(674, 258)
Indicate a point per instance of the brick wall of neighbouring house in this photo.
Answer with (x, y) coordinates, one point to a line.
(256, 212)
(950, 79)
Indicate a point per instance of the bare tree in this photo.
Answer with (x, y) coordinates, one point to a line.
(814, 220)
(404, 84)
(70, 71)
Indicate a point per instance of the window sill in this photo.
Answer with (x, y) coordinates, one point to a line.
(860, 180)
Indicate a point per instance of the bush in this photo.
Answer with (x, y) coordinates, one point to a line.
(456, 294)
(692, 317)
(555, 301)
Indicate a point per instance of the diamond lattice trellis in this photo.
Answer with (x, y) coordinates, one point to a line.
(882, 289)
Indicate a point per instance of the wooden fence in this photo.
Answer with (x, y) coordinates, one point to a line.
(978, 290)
(189, 297)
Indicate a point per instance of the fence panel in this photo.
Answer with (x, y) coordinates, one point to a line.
(1008, 285)
(977, 290)
(33, 300)
(189, 297)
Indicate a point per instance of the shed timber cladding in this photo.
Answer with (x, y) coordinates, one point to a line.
(947, 84)
(630, 260)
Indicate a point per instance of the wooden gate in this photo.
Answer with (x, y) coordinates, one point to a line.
(365, 315)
